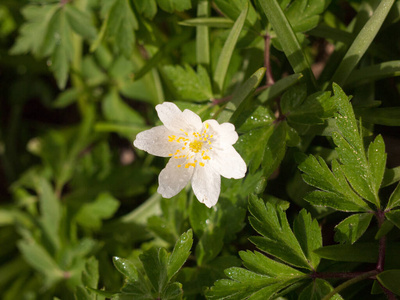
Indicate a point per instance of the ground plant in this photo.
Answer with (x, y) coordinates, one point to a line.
(199, 149)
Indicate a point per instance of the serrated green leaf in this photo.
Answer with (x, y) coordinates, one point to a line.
(155, 265)
(293, 98)
(335, 190)
(390, 279)
(126, 268)
(317, 289)
(278, 239)
(350, 149)
(303, 15)
(259, 263)
(394, 217)
(173, 291)
(33, 32)
(119, 26)
(352, 228)
(180, 253)
(227, 51)
(308, 233)
(146, 7)
(50, 209)
(80, 22)
(91, 214)
(115, 109)
(394, 199)
(40, 260)
(377, 160)
(313, 110)
(186, 84)
(391, 176)
(58, 44)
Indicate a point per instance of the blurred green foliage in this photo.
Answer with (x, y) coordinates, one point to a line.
(317, 215)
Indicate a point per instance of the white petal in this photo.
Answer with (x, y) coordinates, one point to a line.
(228, 163)
(155, 141)
(176, 120)
(192, 119)
(206, 184)
(173, 179)
(224, 133)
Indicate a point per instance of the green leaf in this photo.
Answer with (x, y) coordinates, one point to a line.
(66, 98)
(187, 84)
(146, 7)
(390, 279)
(241, 100)
(119, 26)
(115, 109)
(362, 42)
(50, 209)
(359, 252)
(173, 291)
(373, 73)
(394, 199)
(80, 22)
(155, 265)
(352, 228)
(180, 253)
(308, 233)
(216, 22)
(58, 44)
(303, 15)
(259, 263)
(317, 289)
(172, 5)
(40, 260)
(268, 147)
(394, 217)
(279, 87)
(32, 33)
(288, 40)
(277, 237)
(313, 110)
(244, 284)
(335, 191)
(126, 268)
(350, 149)
(388, 116)
(377, 160)
(227, 51)
(391, 176)
(90, 278)
(91, 214)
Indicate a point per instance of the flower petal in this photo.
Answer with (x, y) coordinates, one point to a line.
(173, 179)
(224, 133)
(176, 120)
(206, 184)
(228, 163)
(155, 141)
(192, 119)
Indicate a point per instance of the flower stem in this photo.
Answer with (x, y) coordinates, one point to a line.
(267, 61)
(349, 283)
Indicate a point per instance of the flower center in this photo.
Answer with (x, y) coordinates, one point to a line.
(194, 151)
(195, 146)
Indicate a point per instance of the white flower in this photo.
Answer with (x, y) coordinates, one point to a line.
(200, 152)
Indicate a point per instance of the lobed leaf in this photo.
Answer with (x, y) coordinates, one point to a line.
(352, 228)
(277, 237)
